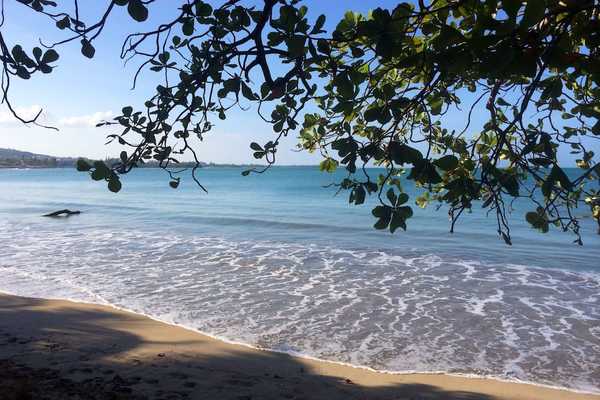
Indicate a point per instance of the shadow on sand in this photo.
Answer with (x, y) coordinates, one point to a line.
(74, 353)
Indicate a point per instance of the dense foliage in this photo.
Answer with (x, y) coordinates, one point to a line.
(373, 92)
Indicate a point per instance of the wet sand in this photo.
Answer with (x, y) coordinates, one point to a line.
(53, 349)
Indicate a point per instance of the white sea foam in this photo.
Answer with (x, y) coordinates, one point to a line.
(406, 312)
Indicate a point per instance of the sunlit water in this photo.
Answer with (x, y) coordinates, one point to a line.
(279, 262)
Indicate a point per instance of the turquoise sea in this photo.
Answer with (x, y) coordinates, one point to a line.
(279, 262)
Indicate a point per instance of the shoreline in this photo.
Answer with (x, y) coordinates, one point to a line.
(301, 355)
(352, 375)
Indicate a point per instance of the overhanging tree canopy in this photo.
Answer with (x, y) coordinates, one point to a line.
(372, 92)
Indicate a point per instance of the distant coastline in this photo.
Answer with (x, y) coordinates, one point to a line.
(17, 159)
(5, 165)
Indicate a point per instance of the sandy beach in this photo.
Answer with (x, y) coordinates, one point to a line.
(52, 349)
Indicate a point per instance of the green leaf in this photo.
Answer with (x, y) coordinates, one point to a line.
(424, 172)
(423, 200)
(83, 165)
(188, 27)
(358, 195)
(101, 171)
(534, 12)
(384, 47)
(510, 183)
(164, 57)
(399, 218)
(596, 128)
(328, 165)
(22, 72)
(296, 46)
(344, 85)
(318, 25)
(50, 56)
(547, 186)
(405, 211)
(114, 184)
(544, 162)
(392, 197)
(532, 217)
(137, 10)
(403, 154)
(256, 147)
(397, 221)
(538, 220)
(556, 175)
(203, 9)
(511, 7)
(372, 113)
(562, 178)
(87, 49)
(247, 92)
(436, 105)
(502, 102)
(382, 223)
(446, 163)
(323, 46)
(18, 53)
(402, 198)
(37, 53)
(98, 175)
(383, 213)
(63, 23)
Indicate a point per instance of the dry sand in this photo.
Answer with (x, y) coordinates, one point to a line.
(51, 349)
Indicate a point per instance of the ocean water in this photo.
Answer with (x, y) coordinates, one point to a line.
(279, 262)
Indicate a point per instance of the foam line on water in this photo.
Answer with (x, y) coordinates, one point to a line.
(369, 307)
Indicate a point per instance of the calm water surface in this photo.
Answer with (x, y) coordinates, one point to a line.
(278, 261)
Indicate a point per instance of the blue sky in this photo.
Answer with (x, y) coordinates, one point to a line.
(80, 92)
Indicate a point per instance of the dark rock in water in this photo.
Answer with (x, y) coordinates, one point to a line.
(66, 213)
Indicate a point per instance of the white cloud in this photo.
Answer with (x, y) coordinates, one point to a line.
(27, 113)
(89, 120)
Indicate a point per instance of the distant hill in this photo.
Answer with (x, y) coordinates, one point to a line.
(11, 158)
(12, 153)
